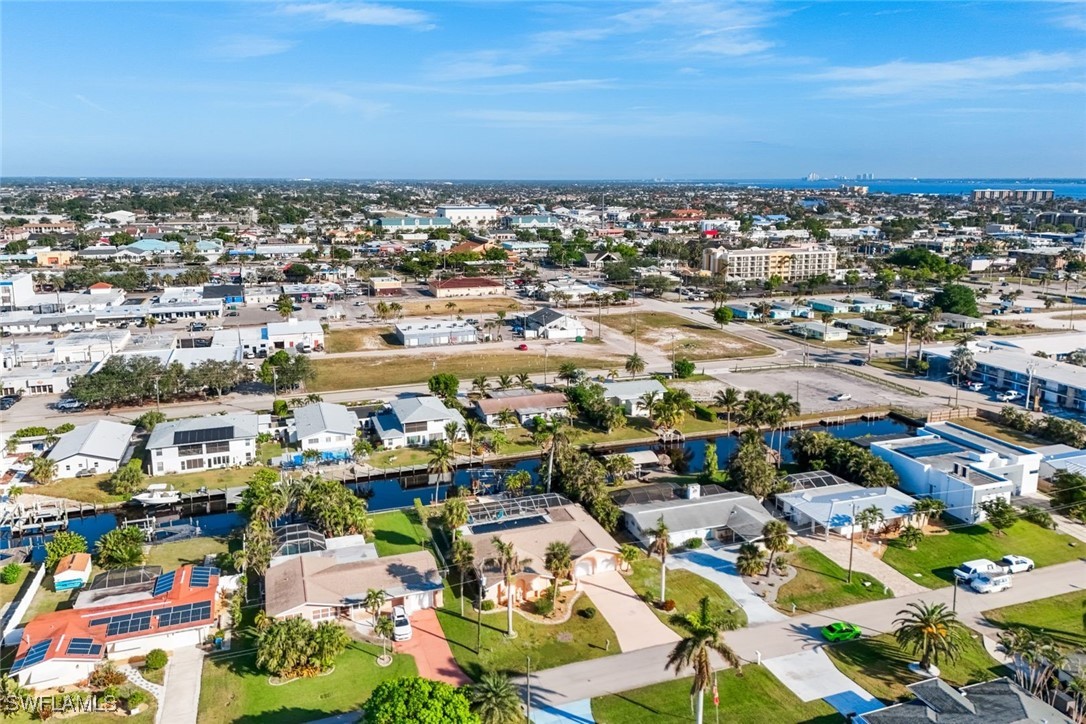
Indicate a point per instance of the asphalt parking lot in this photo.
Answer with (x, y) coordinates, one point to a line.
(814, 387)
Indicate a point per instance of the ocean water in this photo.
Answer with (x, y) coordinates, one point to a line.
(1069, 188)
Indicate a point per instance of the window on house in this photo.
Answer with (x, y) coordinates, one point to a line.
(189, 450)
(218, 447)
(193, 464)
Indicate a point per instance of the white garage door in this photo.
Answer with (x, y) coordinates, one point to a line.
(584, 568)
(606, 564)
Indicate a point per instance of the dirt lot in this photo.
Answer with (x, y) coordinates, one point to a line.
(356, 340)
(439, 307)
(814, 387)
(693, 341)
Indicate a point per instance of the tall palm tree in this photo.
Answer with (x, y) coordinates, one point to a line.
(551, 435)
(463, 560)
(507, 418)
(648, 401)
(932, 632)
(373, 602)
(635, 364)
(472, 427)
(558, 560)
(525, 380)
(43, 470)
(508, 561)
(384, 627)
(661, 542)
(923, 331)
(495, 700)
(452, 431)
(775, 539)
(728, 400)
(906, 320)
(454, 515)
(481, 385)
(869, 517)
(504, 382)
(442, 462)
(703, 632)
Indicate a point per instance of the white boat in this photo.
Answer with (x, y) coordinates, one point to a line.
(158, 494)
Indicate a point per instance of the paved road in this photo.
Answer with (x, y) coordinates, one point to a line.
(587, 679)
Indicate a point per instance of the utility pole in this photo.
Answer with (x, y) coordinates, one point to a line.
(528, 695)
(478, 609)
(851, 541)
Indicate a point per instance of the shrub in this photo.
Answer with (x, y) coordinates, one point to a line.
(488, 605)
(683, 368)
(589, 612)
(693, 543)
(543, 606)
(134, 698)
(64, 543)
(668, 605)
(702, 412)
(1034, 514)
(156, 659)
(10, 573)
(107, 675)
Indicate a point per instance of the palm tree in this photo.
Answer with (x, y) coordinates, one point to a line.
(504, 382)
(551, 435)
(661, 542)
(384, 627)
(728, 400)
(150, 323)
(373, 602)
(472, 426)
(635, 365)
(495, 700)
(704, 632)
(507, 560)
(629, 554)
(558, 560)
(11, 695)
(648, 402)
(525, 380)
(454, 515)
(452, 431)
(923, 331)
(926, 509)
(507, 418)
(906, 322)
(751, 560)
(569, 373)
(911, 536)
(43, 470)
(481, 385)
(462, 558)
(931, 630)
(1037, 659)
(442, 462)
(869, 517)
(775, 539)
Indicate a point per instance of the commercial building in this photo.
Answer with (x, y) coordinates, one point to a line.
(413, 223)
(99, 447)
(960, 467)
(790, 263)
(294, 333)
(468, 214)
(1012, 195)
(535, 221)
(549, 323)
(432, 334)
(16, 292)
(465, 287)
(203, 443)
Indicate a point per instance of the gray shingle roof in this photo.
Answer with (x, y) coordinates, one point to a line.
(103, 439)
(324, 417)
(245, 425)
(999, 701)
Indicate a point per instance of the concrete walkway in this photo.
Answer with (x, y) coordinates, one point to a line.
(136, 678)
(181, 702)
(811, 675)
(575, 712)
(718, 566)
(635, 625)
(431, 650)
(864, 561)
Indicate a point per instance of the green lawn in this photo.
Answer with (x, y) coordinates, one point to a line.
(93, 490)
(820, 584)
(400, 458)
(937, 555)
(233, 690)
(146, 716)
(756, 697)
(8, 591)
(880, 666)
(1061, 617)
(589, 639)
(398, 531)
(46, 600)
(173, 555)
(685, 588)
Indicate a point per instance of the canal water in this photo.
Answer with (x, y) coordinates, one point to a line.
(392, 493)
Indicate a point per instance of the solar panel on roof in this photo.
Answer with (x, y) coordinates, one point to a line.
(129, 623)
(82, 647)
(201, 576)
(187, 613)
(163, 584)
(34, 655)
(211, 434)
(931, 449)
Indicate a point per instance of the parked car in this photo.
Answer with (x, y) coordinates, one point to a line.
(971, 569)
(7, 401)
(1016, 564)
(401, 625)
(841, 631)
(86, 473)
(857, 362)
(522, 347)
(986, 583)
(233, 314)
(1008, 395)
(841, 397)
(70, 406)
(974, 386)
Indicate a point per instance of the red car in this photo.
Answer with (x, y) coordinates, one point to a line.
(522, 347)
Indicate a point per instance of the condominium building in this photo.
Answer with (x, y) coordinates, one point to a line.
(790, 263)
(1012, 195)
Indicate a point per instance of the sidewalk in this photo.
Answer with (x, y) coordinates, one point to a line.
(863, 561)
(181, 702)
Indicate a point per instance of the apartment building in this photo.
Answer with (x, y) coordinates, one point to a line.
(791, 263)
(1012, 195)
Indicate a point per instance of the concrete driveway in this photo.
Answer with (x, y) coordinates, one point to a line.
(811, 675)
(635, 625)
(431, 650)
(718, 566)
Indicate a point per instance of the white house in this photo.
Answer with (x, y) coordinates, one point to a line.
(526, 406)
(414, 422)
(726, 517)
(961, 467)
(834, 508)
(548, 323)
(325, 427)
(99, 447)
(629, 394)
(203, 443)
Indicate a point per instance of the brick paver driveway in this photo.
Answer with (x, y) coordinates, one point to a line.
(432, 654)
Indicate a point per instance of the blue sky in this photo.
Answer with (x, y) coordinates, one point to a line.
(535, 90)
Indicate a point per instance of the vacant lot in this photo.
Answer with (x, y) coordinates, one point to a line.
(692, 340)
(174, 555)
(356, 372)
(440, 307)
(1061, 617)
(814, 386)
(937, 555)
(356, 340)
(94, 489)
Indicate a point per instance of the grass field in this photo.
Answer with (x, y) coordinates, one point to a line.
(174, 555)
(756, 697)
(46, 600)
(437, 308)
(354, 372)
(354, 340)
(398, 531)
(820, 584)
(880, 666)
(93, 490)
(1002, 432)
(685, 588)
(234, 690)
(9, 590)
(587, 639)
(1061, 617)
(937, 555)
(691, 340)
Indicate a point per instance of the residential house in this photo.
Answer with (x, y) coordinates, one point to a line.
(866, 327)
(864, 305)
(596, 259)
(725, 517)
(465, 287)
(525, 404)
(324, 427)
(819, 331)
(828, 305)
(414, 422)
(99, 447)
(548, 323)
(961, 467)
(1000, 701)
(961, 321)
(744, 311)
(630, 394)
(794, 310)
(72, 571)
(821, 500)
(204, 443)
(174, 610)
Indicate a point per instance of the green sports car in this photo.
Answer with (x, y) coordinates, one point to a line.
(841, 631)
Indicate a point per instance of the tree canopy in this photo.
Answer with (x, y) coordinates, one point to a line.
(414, 699)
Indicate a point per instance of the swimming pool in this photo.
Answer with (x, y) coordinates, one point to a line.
(509, 524)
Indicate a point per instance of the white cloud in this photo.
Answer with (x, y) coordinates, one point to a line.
(361, 14)
(1073, 20)
(474, 66)
(250, 46)
(952, 77)
(510, 118)
(89, 103)
(336, 99)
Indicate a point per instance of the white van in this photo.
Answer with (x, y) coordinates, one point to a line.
(972, 569)
(987, 583)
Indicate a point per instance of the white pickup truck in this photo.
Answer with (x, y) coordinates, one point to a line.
(970, 570)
